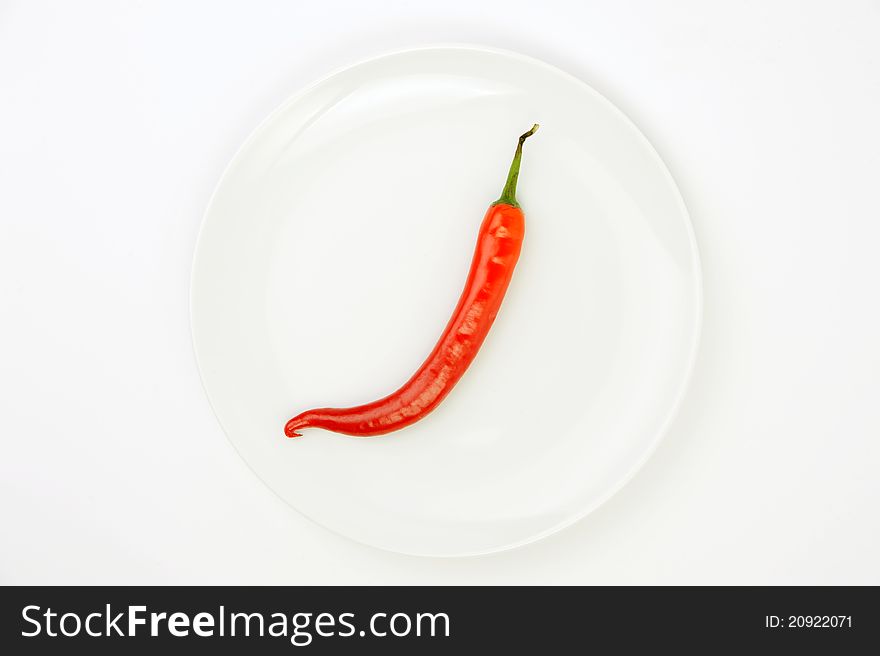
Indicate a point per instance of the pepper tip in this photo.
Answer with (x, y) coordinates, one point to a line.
(290, 428)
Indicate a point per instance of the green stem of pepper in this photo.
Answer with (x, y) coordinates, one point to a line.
(508, 194)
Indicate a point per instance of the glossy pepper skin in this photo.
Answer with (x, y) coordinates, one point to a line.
(497, 251)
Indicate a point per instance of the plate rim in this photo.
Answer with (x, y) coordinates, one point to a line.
(684, 384)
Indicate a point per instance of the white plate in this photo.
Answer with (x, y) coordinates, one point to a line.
(335, 248)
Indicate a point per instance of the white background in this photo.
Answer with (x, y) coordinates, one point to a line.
(116, 120)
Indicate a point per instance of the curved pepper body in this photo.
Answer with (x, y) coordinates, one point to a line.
(498, 247)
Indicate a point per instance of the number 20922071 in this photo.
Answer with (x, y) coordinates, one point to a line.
(808, 622)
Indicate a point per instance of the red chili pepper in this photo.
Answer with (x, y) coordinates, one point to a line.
(498, 247)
